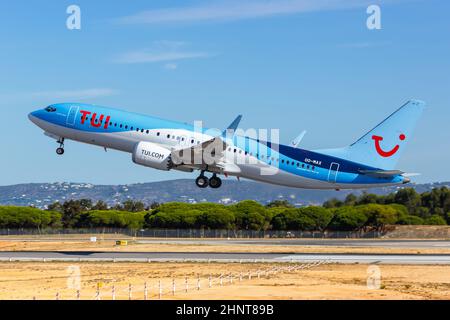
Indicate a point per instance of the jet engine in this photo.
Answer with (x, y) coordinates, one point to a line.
(152, 155)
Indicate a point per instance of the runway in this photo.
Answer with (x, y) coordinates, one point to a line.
(361, 243)
(430, 259)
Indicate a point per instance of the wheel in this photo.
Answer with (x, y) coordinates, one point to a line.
(60, 151)
(202, 182)
(215, 182)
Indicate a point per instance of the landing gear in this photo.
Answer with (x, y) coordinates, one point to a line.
(60, 150)
(203, 182)
(215, 182)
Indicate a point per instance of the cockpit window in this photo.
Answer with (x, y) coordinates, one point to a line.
(50, 109)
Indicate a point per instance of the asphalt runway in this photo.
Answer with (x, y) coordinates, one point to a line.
(430, 259)
(361, 243)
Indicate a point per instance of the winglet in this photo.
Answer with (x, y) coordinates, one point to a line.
(296, 142)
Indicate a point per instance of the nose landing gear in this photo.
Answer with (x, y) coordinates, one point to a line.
(60, 150)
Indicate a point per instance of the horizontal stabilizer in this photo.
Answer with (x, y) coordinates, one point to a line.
(381, 173)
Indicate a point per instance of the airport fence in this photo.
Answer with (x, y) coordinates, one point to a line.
(166, 288)
(196, 233)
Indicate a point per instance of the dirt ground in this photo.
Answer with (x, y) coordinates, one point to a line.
(109, 246)
(51, 280)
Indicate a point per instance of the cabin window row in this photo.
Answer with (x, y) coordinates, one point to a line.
(287, 162)
(158, 134)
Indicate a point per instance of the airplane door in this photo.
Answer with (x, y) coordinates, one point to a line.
(72, 115)
(332, 174)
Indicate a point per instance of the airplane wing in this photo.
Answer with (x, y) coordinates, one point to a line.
(208, 155)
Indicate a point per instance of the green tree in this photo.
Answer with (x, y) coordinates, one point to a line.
(319, 216)
(435, 220)
(347, 219)
(350, 200)
(26, 217)
(409, 198)
(100, 205)
(378, 215)
(133, 206)
(280, 204)
(333, 203)
(367, 198)
(251, 215)
(410, 220)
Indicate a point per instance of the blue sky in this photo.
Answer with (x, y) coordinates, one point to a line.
(290, 64)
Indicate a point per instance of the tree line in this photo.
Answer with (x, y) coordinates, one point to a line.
(365, 212)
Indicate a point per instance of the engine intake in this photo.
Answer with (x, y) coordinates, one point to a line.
(152, 155)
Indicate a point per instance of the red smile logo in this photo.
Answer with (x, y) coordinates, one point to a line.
(390, 153)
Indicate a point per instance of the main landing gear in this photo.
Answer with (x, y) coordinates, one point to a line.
(60, 150)
(203, 182)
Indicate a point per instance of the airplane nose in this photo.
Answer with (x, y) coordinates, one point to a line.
(33, 116)
(406, 180)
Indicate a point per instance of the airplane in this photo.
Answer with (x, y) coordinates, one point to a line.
(169, 145)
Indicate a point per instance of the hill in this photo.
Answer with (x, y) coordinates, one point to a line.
(42, 194)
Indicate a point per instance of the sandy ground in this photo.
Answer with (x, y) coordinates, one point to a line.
(46, 280)
(109, 245)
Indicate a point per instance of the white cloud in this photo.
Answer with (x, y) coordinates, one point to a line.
(171, 66)
(145, 56)
(235, 10)
(161, 51)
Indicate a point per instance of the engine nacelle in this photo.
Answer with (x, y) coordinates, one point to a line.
(151, 155)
